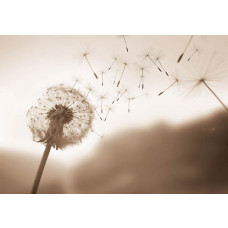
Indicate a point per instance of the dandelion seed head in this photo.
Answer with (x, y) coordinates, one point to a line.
(60, 116)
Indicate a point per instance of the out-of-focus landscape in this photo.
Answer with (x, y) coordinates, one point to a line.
(190, 158)
(173, 143)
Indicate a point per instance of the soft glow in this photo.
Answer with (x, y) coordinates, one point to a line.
(30, 64)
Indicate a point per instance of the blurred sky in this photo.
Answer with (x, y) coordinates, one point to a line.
(30, 64)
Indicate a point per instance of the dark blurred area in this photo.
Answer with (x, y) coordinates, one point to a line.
(18, 170)
(190, 158)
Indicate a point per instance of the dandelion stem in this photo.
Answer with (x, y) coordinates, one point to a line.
(224, 106)
(125, 43)
(112, 64)
(167, 88)
(182, 54)
(121, 74)
(90, 67)
(192, 55)
(154, 63)
(41, 167)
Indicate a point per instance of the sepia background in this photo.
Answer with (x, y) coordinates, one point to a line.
(173, 143)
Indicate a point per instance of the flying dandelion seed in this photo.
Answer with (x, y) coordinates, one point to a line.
(124, 91)
(182, 54)
(90, 91)
(115, 77)
(129, 99)
(76, 82)
(109, 110)
(87, 60)
(102, 98)
(196, 51)
(124, 38)
(98, 114)
(172, 84)
(102, 78)
(220, 101)
(114, 61)
(92, 130)
(148, 56)
(141, 82)
(142, 95)
(210, 68)
(60, 119)
(159, 61)
(124, 66)
(118, 93)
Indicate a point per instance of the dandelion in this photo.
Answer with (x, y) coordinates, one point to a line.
(124, 91)
(118, 93)
(110, 108)
(60, 119)
(102, 98)
(210, 68)
(158, 59)
(124, 66)
(115, 59)
(142, 95)
(115, 77)
(195, 51)
(98, 114)
(87, 60)
(172, 84)
(129, 99)
(77, 80)
(150, 58)
(92, 130)
(208, 87)
(90, 91)
(125, 42)
(141, 82)
(102, 78)
(182, 54)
